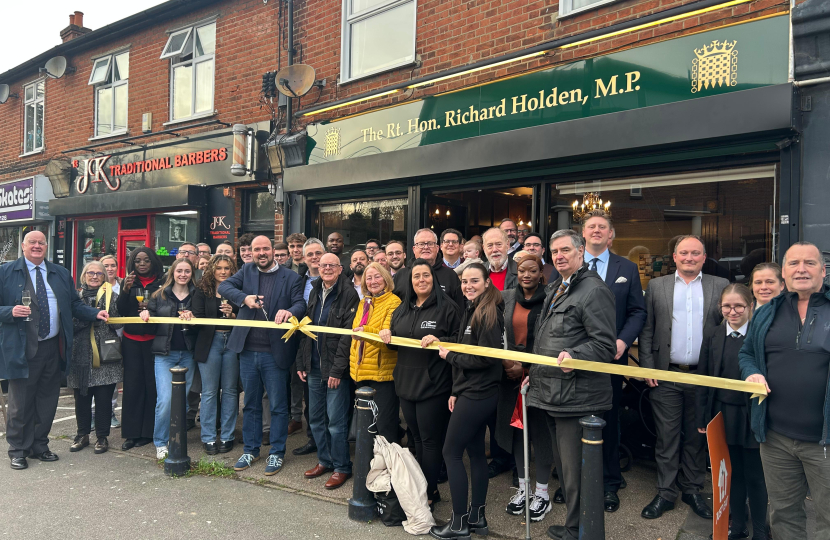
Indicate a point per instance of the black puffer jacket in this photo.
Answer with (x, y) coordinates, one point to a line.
(332, 348)
(128, 306)
(420, 373)
(447, 278)
(473, 376)
(168, 307)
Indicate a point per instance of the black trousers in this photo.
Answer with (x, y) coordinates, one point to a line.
(611, 473)
(103, 406)
(32, 402)
(748, 481)
(389, 408)
(138, 401)
(468, 423)
(427, 420)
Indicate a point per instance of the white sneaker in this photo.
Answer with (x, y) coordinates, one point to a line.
(539, 507)
(161, 452)
(516, 506)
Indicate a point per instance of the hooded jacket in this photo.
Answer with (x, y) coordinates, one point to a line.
(421, 373)
(378, 361)
(582, 322)
(473, 376)
(449, 281)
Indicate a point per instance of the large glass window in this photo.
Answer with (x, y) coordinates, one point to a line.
(96, 238)
(732, 211)
(474, 211)
(110, 76)
(191, 52)
(359, 221)
(378, 35)
(9, 244)
(33, 95)
(259, 212)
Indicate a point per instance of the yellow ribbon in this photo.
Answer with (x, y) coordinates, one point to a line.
(756, 389)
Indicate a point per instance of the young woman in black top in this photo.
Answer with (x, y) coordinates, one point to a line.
(423, 381)
(474, 397)
(145, 275)
(719, 358)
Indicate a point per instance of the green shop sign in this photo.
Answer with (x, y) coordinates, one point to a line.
(725, 60)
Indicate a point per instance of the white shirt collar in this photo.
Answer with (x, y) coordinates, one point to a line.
(678, 277)
(741, 330)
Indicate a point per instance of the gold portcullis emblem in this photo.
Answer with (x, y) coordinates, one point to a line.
(332, 142)
(715, 65)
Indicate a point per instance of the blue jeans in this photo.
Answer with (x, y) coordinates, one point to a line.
(328, 415)
(259, 372)
(164, 390)
(219, 371)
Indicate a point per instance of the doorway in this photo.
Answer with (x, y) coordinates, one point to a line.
(473, 211)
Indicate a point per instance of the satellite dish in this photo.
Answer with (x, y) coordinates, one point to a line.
(296, 80)
(4, 93)
(56, 67)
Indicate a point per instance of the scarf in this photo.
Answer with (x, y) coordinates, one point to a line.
(367, 309)
(81, 363)
(534, 304)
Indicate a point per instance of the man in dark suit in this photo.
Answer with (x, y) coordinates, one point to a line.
(33, 352)
(264, 289)
(623, 278)
(680, 307)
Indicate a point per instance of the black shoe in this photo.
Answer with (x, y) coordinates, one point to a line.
(496, 467)
(81, 442)
(447, 532)
(557, 532)
(698, 504)
(442, 474)
(191, 423)
(211, 449)
(102, 445)
(656, 507)
(143, 441)
(558, 496)
(225, 446)
(479, 526)
(46, 455)
(623, 484)
(612, 502)
(19, 463)
(307, 448)
(515, 477)
(128, 443)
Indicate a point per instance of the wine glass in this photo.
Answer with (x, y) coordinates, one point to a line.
(224, 302)
(27, 300)
(182, 309)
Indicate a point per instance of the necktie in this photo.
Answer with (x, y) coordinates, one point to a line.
(42, 304)
(735, 334)
(559, 292)
(593, 266)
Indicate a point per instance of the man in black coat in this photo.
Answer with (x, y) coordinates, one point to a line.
(426, 247)
(33, 352)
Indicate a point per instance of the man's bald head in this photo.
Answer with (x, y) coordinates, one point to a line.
(34, 246)
(330, 268)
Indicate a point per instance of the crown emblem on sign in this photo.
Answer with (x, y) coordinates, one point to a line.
(332, 142)
(715, 64)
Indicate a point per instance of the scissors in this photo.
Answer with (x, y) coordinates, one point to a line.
(262, 307)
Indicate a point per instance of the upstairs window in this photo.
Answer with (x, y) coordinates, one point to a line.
(378, 35)
(570, 7)
(110, 77)
(33, 117)
(191, 52)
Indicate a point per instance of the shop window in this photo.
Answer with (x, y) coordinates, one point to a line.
(191, 52)
(732, 211)
(570, 7)
(359, 221)
(173, 229)
(9, 244)
(110, 77)
(96, 238)
(474, 211)
(259, 213)
(33, 95)
(378, 35)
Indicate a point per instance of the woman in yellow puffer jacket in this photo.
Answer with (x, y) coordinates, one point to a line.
(371, 362)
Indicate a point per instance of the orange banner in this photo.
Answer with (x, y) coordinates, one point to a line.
(721, 477)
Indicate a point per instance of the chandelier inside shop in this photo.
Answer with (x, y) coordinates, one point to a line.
(590, 202)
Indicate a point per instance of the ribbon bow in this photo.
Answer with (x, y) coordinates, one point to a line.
(298, 325)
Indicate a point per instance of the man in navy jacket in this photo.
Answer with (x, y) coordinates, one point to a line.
(265, 291)
(623, 278)
(32, 353)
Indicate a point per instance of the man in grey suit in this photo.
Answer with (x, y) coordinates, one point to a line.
(680, 308)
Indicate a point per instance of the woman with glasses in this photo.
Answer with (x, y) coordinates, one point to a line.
(218, 366)
(719, 358)
(172, 344)
(145, 275)
(111, 268)
(87, 380)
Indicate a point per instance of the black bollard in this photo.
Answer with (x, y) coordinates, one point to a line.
(362, 504)
(591, 508)
(177, 462)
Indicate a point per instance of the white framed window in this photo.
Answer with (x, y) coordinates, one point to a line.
(191, 52)
(571, 7)
(33, 97)
(378, 35)
(110, 77)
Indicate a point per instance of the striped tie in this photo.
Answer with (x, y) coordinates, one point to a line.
(559, 292)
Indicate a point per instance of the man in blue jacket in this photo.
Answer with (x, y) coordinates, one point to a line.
(33, 352)
(787, 348)
(263, 289)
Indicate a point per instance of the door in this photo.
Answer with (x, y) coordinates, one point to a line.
(127, 242)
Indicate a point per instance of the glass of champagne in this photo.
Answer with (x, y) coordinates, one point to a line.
(224, 302)
(182, 309)
(141, 295)
(26, 299)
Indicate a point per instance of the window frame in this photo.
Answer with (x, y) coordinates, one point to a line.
(193, 62)
(33, 102)
(349, 20)
(97, 87)
(566, 9)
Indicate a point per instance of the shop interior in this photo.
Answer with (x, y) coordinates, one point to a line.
(362, 220)
(474, 211)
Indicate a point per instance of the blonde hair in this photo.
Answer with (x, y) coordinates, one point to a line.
(86, 267)
(105, 257)
(384, 273)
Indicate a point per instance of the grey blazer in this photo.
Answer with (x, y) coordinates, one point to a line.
(655, 338)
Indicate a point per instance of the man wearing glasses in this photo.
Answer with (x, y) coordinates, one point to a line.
(451, 248)
(395, 256)
(37, 339)
(281, 254)
(425, 247)
(512, 232)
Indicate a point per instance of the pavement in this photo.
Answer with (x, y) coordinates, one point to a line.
(286, 505)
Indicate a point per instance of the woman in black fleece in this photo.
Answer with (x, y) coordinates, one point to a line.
(423, 381)
(474, 397)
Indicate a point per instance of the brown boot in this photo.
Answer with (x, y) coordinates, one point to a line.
(294, 427)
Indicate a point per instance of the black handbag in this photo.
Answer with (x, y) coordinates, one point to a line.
(109, 351)
(389, 509)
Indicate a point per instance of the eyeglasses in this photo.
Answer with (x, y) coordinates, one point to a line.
(451, 242)
(422, 245)
(739, 309)
(281, 255)
(187, 252)
(328, 266)
(94, 274)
